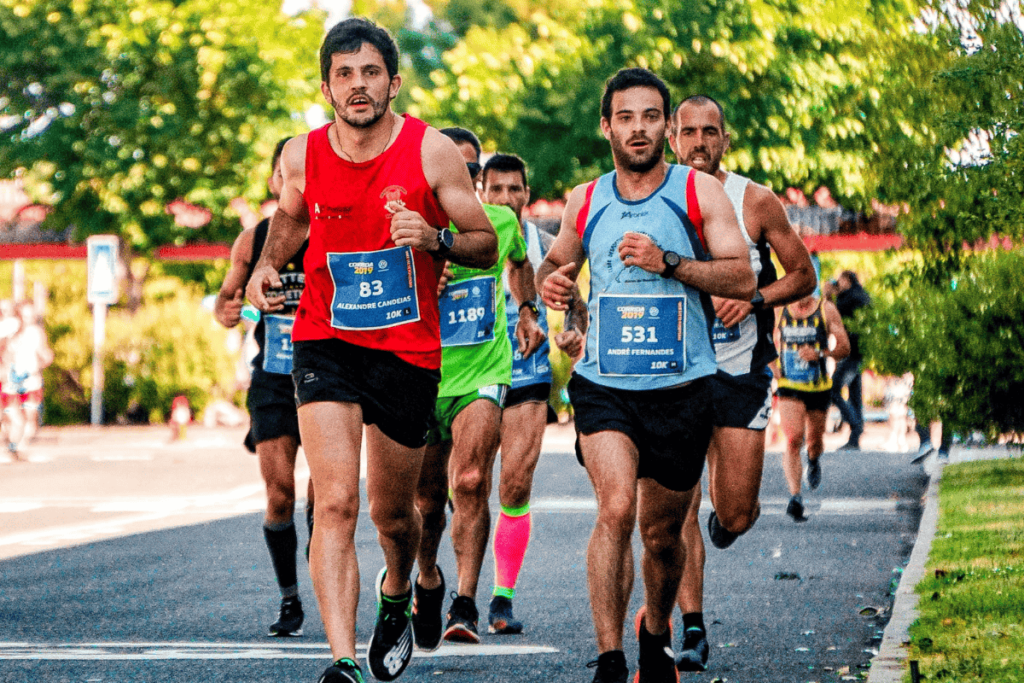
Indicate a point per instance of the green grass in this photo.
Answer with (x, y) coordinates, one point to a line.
(972, 596)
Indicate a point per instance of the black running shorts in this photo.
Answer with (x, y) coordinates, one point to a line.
(531, 393)
(812, 400)
(395, 395)
(271, 403)
(742, 401)
(670, 428)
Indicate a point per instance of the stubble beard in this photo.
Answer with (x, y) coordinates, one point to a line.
(638, 163)
(378, 111)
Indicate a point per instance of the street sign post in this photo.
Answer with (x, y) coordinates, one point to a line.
(101, 257)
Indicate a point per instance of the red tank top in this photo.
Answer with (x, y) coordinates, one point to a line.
(360, 287)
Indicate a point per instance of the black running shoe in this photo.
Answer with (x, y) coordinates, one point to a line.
(342, 671)
(390, 648)
(657, 662)
(428, 615)
(814, 472)
(289, 622)
(611, 668)
(795, 509)
(462, 618)
(500, 617)
(720, 537)
(694, 654)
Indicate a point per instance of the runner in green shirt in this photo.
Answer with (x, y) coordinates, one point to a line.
(476, 371)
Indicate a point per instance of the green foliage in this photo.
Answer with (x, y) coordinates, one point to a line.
(963, 338)
(114, 109)
(809, 87)
(171, 346)
(969, 628)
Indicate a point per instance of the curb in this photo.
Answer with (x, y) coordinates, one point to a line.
(890, 664)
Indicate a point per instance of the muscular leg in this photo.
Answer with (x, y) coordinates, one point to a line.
(735, 465)
(431, 497)
(611, 459)
(277, 465)
(475, 434)
(815, 433)
(331, 438)
(661, 513)
(691, 586)
(793, 415)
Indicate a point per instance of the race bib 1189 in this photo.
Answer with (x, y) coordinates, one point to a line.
(468, 312)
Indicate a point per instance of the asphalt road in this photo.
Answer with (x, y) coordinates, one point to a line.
(126, 558)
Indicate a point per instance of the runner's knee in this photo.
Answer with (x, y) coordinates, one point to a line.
(337, 510)
(469, 482)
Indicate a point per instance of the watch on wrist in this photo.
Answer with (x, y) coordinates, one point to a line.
(532, 306)
(758, 301)
(671, 259)
(445, 241)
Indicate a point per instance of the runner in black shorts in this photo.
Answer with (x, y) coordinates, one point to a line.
(660, 240)
(741, 390)
(274, 431)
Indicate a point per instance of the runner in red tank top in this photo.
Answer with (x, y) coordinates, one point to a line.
(375, 192)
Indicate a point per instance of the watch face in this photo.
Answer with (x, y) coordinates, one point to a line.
(446, 238)
(671, 259)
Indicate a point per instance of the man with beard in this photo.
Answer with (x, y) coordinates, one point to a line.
(375, 191)
(274, 431)
(741, 390)
(661, 240)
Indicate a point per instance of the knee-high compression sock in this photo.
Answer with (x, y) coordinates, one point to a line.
(282, 543)
(511, 537)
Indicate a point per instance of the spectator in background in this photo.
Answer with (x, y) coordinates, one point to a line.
(850, 297)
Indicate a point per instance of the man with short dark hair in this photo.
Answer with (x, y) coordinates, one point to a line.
(850, 297)
(741, 390)
(660, 240)
(274, 430)
(375, 191)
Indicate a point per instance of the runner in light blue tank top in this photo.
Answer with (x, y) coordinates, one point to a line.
(648, 332)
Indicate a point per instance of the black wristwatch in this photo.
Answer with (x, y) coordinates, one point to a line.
(532, 306)
(445, 241)
(671, 259)
(758, 301)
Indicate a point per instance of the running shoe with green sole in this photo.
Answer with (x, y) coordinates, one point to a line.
(390, 648)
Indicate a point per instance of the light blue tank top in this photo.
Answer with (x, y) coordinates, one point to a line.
(537, 368)
(646, 332)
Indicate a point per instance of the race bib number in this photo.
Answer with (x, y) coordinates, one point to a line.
(277, 344)
(720, 334)
(373, 290)
(468, 312)
(796, 369)
(641, 335)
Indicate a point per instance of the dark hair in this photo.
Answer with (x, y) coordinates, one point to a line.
(349, 36)
(463, 135)
(508, 163)
(277, 153)
(851, 276)
(633, 78)
(700, 100)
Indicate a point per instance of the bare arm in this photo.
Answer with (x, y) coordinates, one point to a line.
(227, 309)
(834, 324)
(288, 228)
(765, 216)
(728, 273)
(476, 244)
(556, 277)
(520, 283)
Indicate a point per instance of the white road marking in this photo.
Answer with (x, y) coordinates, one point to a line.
(221, 651)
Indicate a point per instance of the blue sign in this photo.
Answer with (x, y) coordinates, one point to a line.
(641, 334)
(373, 290)
(101, 256)
(277, 344)
(468, 312)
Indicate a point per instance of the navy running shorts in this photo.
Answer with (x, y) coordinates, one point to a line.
(742, 401)
(395, 395)
(531, 393)
(671, 428)
(812, 400)
(271, 404)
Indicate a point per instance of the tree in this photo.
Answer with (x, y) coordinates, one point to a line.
(803, 83)
(113, 110)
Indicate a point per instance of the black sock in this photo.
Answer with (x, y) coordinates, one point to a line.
(693, 620)
(612, 658)
(282, 544)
